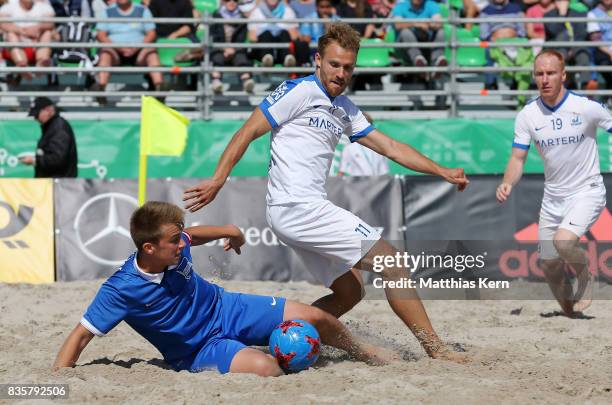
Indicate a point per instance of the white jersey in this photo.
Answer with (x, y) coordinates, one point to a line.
(357, 160)
(306, 126)
(565, 136)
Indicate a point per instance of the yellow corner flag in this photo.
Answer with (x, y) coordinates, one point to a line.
(163, 132)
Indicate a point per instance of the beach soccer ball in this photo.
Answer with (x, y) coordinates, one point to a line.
(295, 344)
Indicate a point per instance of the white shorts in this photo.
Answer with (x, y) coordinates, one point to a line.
(330, 240)
(576, 214)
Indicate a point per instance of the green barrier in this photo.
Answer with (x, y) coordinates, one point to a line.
(109, 149)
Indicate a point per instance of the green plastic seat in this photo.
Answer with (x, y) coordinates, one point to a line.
(166, 55)
(456, 4)
(468, 56)
(578, 6)
(444, 12)
(373, 57)
(206, 5)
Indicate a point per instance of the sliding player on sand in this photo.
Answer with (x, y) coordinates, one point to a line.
(195, 325)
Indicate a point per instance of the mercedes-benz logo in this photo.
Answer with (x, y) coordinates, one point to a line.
(113, 226)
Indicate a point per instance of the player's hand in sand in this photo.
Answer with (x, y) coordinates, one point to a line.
(202, 194)
(235, 241)
(503, 192)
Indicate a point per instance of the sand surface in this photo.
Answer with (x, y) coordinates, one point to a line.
(523, 358)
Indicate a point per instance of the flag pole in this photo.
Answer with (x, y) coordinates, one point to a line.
(142, 179)
(142, 161)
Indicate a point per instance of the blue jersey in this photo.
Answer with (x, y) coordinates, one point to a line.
(177, 310)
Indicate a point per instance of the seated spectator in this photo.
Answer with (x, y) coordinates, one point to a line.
(357, 9)
(67, 8)
(472, 9)
(382, 9)
(496, 30)
(236, 33)
(95, 8)
(127, 33)
(303, 8)
(420, 32)
(537, 30)
(310, 32)
(571, 32)
(501, 8)
(602, 31)
(173, 9)
(284, 32)
(27, 32)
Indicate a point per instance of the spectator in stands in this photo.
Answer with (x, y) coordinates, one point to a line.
(67, 8)
(95, 8)
(571, 31)
(420, 32)
(472, 9)
(284, 32)
(303, 8)
(236, 33)
(382, 9)
(497, 30)
(56, 151)
(173, 9)
(132, 34)
(602, 31)
(27, 32)
(357, 9)
(310, 32)
(537, 30)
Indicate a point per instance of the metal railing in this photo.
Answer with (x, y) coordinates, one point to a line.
(203, 97)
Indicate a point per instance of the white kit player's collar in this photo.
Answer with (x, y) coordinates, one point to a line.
(559, 104)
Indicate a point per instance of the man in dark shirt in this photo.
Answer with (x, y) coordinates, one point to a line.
(173, 9)
(56, 152)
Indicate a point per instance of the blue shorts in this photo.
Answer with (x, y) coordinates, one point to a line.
(246, 320)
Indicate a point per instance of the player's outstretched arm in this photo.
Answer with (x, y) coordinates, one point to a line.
(202, 234)
(205, 192)
(512, 175)
(72, 347)
(412, 159)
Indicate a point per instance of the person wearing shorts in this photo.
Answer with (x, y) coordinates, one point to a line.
(307, 117)
(27, 32)
(195, 325)
(131, 35)
(563, 126)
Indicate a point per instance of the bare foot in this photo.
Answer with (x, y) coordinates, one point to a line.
(584, 291)
(447, 354)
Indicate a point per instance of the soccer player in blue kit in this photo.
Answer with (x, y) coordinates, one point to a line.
(563, 126)
(196, 325)
(307, 117)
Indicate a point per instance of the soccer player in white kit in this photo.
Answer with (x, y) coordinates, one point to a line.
(563, 127)
(307, 117)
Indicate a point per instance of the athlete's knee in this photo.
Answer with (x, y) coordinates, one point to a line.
(266, 366)
(565, 248)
